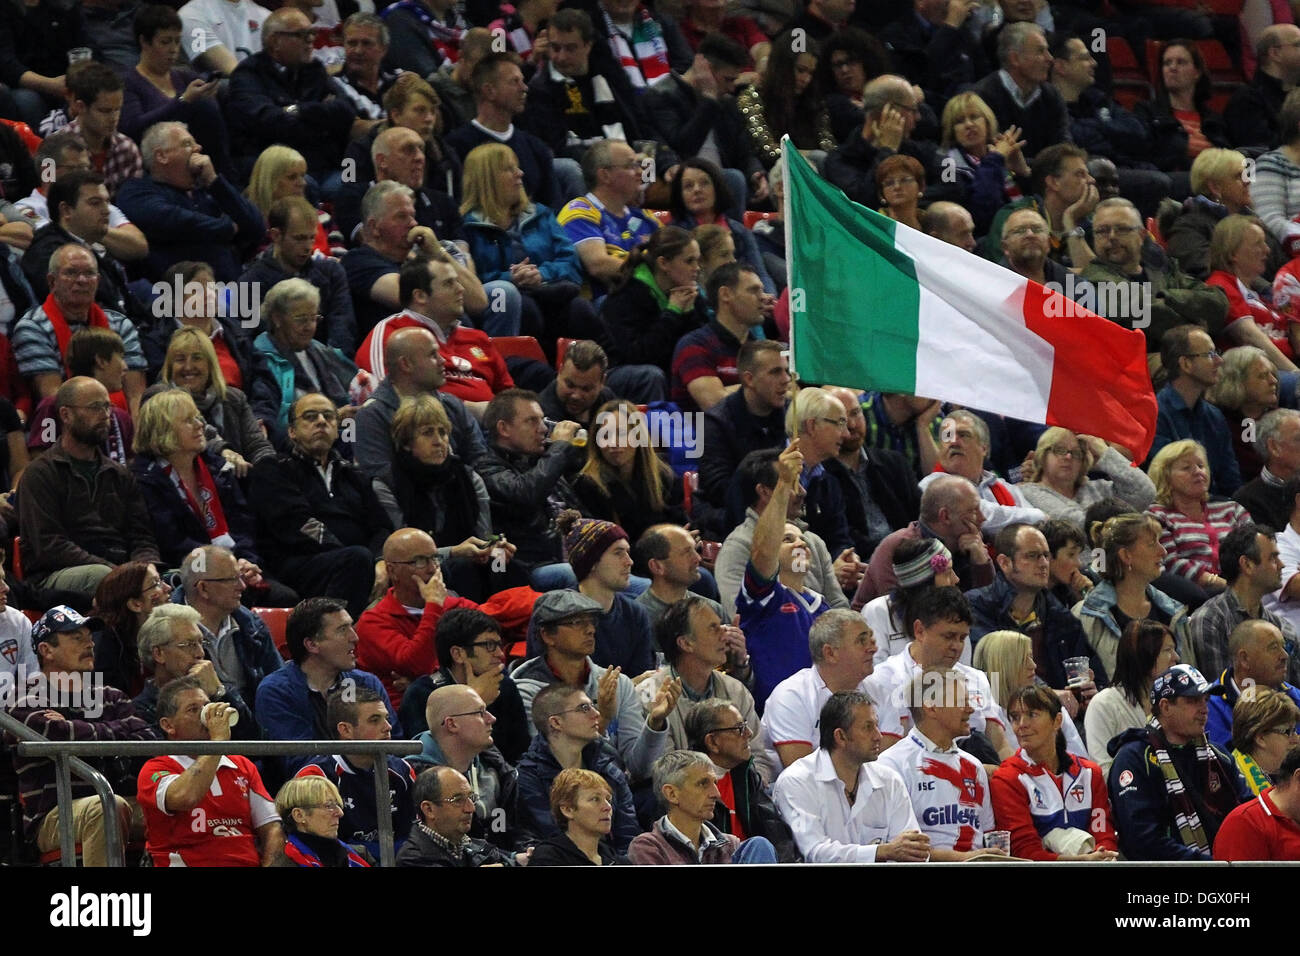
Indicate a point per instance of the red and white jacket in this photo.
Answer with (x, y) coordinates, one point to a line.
(1031, 801)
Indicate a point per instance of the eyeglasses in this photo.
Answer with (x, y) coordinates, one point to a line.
(330, 807)
(78, 274)
(1027, 231)
(481, 713)
(470, 798)
(1212, 353)
(184, 645)
(899, 181)
(584, 708)
(159, 585)
(1284, 731)
(423, 562)
(1114, 230)
(99, 408)
(302, 321)
(1075, 453)
(313, 414)
(218, 580)
(741, 728)
(492, 646)
(837, 422)
(297, 34)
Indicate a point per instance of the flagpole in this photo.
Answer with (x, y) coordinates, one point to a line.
(786, 212)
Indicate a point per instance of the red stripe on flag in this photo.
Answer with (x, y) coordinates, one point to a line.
(1100, 382)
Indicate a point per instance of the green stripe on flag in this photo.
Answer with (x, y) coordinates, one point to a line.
(854, 298)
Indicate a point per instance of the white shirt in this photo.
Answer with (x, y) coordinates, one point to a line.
(810, 797)
(1288, 547)
(236, 26)
(888, 631)
(893, 678)
(998, 516)
(792, 714)
(18, 659)
(949, 791)
(36, 211)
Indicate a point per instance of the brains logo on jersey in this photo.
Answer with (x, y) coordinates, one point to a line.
(1125, 778)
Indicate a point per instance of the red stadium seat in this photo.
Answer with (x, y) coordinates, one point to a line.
(521, 346)
(752, 218)
(275, 619)
(663, 215)
(1153, 228)
(1219, 63)
(30, 139)
(561, 346)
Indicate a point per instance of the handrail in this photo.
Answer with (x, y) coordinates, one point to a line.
(68, 751)
(63, 764)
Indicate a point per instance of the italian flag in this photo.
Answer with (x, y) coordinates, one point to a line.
(875, 304)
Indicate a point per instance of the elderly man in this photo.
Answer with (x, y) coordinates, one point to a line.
(1193, 363)
(1277, 438)
(940, 625)
(281, 95)
(843, 650)
(360, 713)
(704, 362)
(398, 155)
(756, 481)
(185, 209)
(1158, 300)
(67, 703)
(76, 530)
(460, 736)
(1020, 600)
(568, 736)
(445, 803)
(170, 645)
(320, 525)
(472, 654)
(1026, 248)
(397, 633)
(524, 474)
(292, 702)
(949, 789)
(817, 420)
(695, 645)
(952, 511)
(891, 107)
(687, 790)
(1156, 819)
(879, 494)
(292, 226)
(212, 810)
(1250, 563)
(950, 222)
(605, 224)
(716, 729)
(964, 448)
(750, 418)
(40, 338)
(841, 804)
(1259, 655)
(1019, 93)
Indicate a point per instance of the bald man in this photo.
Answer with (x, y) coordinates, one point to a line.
(397, 633)
(316, 122)
(891, 107)
(398, 154)
(950, 222)
(460, 737)
(80, 514)
(879, 495)
(415, 366)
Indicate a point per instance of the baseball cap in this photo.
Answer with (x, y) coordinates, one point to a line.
(557, 605)
(1182, 680)
(61, 619)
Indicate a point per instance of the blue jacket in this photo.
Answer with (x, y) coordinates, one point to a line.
(496, 787)
(360, 823)
(1206, 424)
(1219, 726)
(285, 711)
(178, 529)
(1144, 817)
(1062, 634)
(213, 225)
(538, 769)
(283, 374)
(541, 239)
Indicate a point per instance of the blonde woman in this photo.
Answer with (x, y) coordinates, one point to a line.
(191, 363)
(1059, 485)
(1247, 389)
(1007, 657)
(192, 493)
(1220, 187)
(984, 160)
(310, 809)
(282, 171)
(1190, 524)
(514, 239)
(1131, 560)
(623, 480)
(1263, 730)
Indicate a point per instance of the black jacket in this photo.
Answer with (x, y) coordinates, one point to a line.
(730, 433)
(638, 331)
(112, 292)
(1169, 139)
(421, 850)
(521, 487)
(889, 481)
(936, 57)
(683, 119)
(510, 733)
(1266, 503)
(757, 813)
(258, 112)
(1044, 122)
(1104, 128)
(1252, 113)
(287, 490)
(568, 115)
(559, 850)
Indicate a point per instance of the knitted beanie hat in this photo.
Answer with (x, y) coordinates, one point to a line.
(586, 540)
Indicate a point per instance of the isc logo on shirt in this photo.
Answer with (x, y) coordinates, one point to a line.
(925, 785)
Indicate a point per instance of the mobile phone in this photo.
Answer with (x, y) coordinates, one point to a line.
(207, 76)
(493, 538)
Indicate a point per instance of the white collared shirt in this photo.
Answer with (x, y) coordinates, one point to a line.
(792, 714)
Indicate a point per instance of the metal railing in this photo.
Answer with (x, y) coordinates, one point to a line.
(66, 756)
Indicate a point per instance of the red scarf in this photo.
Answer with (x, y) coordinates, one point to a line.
(999, 488)
(62, 331)
(208, 504)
